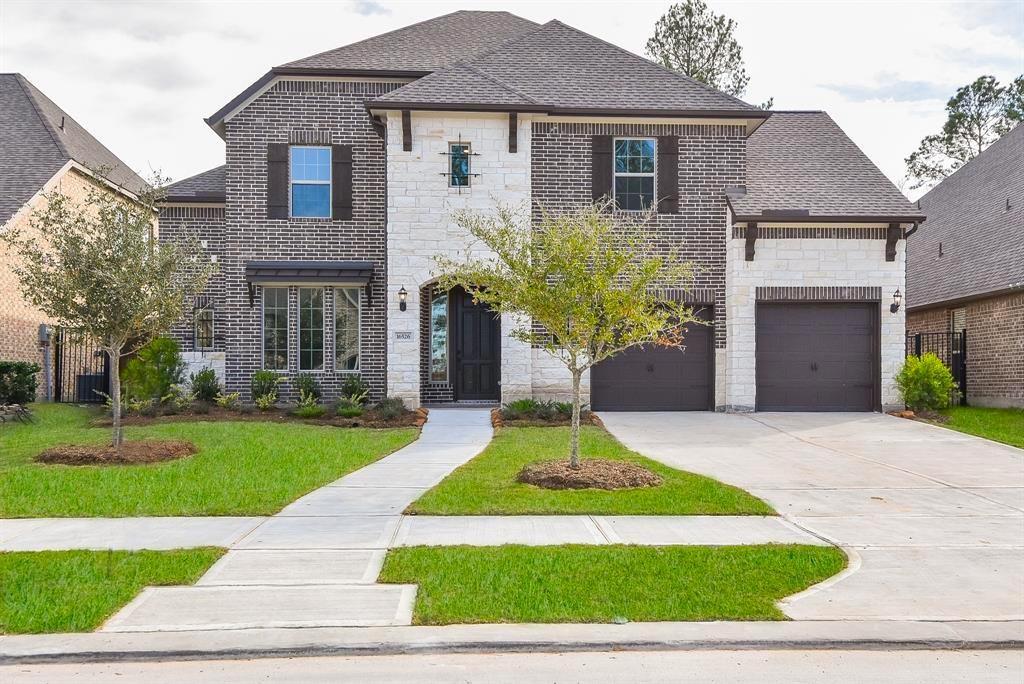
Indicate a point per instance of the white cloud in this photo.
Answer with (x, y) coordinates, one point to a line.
(141, 76)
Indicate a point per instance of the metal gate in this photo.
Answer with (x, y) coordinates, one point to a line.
(951, 348)
(81, 371)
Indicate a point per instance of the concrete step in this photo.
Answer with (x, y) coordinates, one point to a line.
(178, 609)
(314, 566)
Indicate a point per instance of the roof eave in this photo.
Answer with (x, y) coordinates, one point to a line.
(800, 217)
(382, 105)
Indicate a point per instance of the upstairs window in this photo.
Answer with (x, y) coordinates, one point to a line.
(458, 159)
(310, 173)
(634, 173)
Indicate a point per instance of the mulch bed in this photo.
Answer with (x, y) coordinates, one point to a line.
(497, 420)
(925, 416)
(370, 418)
(143, 451)
(593, 473)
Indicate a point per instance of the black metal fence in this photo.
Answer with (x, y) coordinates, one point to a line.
(81, 371)
(951, 348)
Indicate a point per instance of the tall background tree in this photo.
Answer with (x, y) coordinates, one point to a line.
(590, 280)
(692, 40)
(95, 267)
(976, 116)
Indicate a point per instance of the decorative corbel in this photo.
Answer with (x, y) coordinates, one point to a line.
(751, 236)
(892, 235)
(406, 130)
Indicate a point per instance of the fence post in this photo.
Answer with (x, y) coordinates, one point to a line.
(963, 366)
(917, 345)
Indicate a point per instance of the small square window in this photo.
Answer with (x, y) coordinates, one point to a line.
(310, 170)
(634, 173)
(459, 155)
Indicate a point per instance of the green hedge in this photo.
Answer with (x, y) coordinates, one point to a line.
(18, 382)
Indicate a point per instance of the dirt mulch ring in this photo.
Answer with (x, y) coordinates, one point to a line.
(497, 420)
(369, 419)
(143, 451)
(924, 416)
(593, 473)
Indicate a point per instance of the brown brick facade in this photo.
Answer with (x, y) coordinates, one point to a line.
(995, 346)
(711, 158)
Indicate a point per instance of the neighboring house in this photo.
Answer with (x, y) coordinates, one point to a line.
(965, 270)
(42, 150)
(343, 170)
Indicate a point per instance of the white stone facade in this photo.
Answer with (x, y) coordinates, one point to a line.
(420, 227)
(815, 262)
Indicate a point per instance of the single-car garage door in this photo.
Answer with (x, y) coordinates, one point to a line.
(817, 357)
(653, 378)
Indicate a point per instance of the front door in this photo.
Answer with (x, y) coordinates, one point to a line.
(477, 346)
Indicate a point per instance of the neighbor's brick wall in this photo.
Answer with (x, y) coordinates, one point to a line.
(995, 351)
(929, 321)
(304, 112)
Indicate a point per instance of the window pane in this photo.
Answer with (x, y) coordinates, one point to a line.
(311, 200)
(275, 328)
(311, 328)
(203, 328)
(311, 164)
(346, 328)
(458, 156)
(439, 337)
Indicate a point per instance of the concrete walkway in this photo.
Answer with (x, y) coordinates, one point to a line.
(128, 534)
(932, 519)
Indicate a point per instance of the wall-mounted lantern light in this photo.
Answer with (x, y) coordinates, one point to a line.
(897, 299)
(402, 297)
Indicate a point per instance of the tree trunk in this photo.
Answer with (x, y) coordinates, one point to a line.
(114, 359)
(574, 441)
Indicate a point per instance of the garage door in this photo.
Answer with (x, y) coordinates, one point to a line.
(656, 378)
(817, 357)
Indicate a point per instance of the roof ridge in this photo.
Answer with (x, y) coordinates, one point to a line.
(35, 107)
(651, 62)
(498, 81)
(196, 175)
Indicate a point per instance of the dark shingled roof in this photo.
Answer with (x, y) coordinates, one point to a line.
(560, 68)
(207, 186)
(33, 146)
(424, 47)
(982, 240)
(802, 166)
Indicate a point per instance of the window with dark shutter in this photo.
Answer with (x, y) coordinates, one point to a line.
(341, 198)
(668, 175)
(277, 180)
(601, 166)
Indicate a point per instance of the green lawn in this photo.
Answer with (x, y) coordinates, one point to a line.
(242, 468)
(487, 484)
(1004, 425)
(466, 584)
(75, 591)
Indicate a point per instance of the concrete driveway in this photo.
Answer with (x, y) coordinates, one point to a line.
(932, 519)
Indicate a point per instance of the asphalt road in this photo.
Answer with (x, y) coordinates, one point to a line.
(891, 667)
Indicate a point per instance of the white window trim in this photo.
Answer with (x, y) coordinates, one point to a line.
(626, 174)
(323, 328)
(263, 327)
(329, 182)
(359, 329)
(469, 164)
(213, 328)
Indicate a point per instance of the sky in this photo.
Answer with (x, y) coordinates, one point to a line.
(141, 75)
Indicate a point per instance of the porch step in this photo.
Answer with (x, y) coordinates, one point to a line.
(178, 609)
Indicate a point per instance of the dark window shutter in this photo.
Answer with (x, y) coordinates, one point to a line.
(341, 182)
(601, 166)
(668, 175)
(277, 180)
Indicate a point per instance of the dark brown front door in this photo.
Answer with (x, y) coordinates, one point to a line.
(817, 357)
(653, 378)
(477, 348)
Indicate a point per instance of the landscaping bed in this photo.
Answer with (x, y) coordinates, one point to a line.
(76, 591)
(608, 584)
(240, 467)
(142, 451)
(538, 413)
(370, 418)
(592, 473)
(488, 484)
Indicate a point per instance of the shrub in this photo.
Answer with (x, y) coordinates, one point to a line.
(264, 384)
(925, 383)
(355, 389)
(156, 368)
(519, 408)
(390, 408)
(227, 401)
(309, 411)
(265, 402)
(18, 382)
(305, 383)
(349, 411)
(205, 385)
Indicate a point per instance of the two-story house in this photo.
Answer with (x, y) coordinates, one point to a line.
(343, 169)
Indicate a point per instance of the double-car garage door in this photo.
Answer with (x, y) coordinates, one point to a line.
(810, 357)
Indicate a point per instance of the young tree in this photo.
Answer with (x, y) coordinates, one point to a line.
(977, 115)
(589, 278)
(692, 40)
(96, 268)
